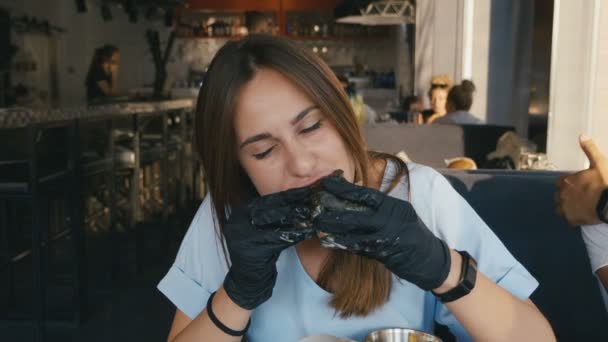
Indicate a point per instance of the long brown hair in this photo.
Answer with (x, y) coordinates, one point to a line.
(101, 55)
(359, 285)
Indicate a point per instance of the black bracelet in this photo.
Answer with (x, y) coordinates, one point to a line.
(221, 325)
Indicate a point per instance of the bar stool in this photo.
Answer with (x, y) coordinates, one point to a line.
(142, 146)
(32, 180)
(95, 157)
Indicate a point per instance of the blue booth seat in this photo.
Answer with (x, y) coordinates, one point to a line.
(519, 207)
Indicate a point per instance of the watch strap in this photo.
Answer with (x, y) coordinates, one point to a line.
(602, 206)
(466, 283)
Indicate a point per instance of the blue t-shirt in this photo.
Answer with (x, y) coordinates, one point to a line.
(299, 307)
(459, 117)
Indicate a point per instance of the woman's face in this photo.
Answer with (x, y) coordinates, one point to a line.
(283, 140)
(439, 98)
(112, 62)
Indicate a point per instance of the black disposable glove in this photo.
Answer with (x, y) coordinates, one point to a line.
(370, 223)
(255, 235)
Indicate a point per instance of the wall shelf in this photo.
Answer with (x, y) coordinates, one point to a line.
(298, 38)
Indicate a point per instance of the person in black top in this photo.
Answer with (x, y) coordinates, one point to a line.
(101, 81)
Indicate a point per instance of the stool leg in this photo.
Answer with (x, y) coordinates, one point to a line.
(111, 181)
(6, 255)
(38, 293)
(136, 209)
(10, 254)
(76, 224)
(45, 224)
(139, 247)
(164, 187)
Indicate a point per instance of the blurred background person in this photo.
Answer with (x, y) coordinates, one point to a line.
(459, 102)
(413, 107)
(365, 114)
(102, 78)
(438, 95)
(258, 22)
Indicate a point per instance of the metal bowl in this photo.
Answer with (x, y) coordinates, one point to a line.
(400, 335)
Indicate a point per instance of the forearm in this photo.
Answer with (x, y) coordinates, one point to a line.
(202, 329)
(490, 313)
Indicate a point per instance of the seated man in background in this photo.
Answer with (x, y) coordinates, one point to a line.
(459, 102)
(582, 199)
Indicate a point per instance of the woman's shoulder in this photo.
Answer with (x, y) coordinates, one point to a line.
(201, 252)
(418, 186)
(420, 172)
(203, 227)
(417, 176)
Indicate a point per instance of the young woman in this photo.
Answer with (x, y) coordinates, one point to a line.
(271, 120)
(438, 95)
(102, 77)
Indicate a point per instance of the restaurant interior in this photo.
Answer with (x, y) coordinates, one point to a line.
(101, 176)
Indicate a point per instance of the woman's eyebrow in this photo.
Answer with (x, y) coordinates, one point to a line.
(303, 114)
(255, 138)
(263, 136)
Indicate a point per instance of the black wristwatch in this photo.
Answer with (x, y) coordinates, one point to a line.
(602, 207)
(468, 276)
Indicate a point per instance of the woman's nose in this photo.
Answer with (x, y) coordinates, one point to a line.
(301, 161)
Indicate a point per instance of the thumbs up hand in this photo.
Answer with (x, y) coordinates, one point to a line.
(596, 158)
(578, 194)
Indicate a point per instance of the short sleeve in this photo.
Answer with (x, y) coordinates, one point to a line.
(453, 220)
(200, 266)
(99, 75)
(596, 241)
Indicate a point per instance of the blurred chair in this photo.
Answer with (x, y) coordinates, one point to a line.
(432, 144)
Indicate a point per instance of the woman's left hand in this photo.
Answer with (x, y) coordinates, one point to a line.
(383, 228)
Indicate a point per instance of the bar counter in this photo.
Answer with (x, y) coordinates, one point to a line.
(21, 117)
(90, 184)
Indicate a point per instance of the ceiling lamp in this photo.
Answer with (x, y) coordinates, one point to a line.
(387, 12)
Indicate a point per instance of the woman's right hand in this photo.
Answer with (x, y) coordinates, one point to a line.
(113, 70)
(256, 234)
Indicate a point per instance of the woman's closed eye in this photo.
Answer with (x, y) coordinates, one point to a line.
(311, 128)
(263, 155)
(306, 130)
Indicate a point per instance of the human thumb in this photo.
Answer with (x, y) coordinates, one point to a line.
(591, 151)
